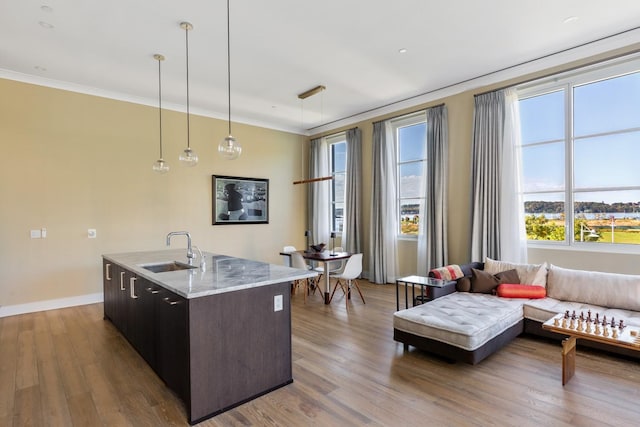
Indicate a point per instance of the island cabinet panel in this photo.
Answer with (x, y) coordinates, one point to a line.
(172, 342)
(240, 348)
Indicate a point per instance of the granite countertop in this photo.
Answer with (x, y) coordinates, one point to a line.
(222, 273)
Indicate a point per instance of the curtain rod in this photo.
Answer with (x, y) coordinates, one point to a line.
(568, 70)
(410, 113)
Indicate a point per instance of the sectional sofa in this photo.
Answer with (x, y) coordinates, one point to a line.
(472, 323)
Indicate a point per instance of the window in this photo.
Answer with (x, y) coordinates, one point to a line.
(338, 164)
(410, 134)
(580, 145)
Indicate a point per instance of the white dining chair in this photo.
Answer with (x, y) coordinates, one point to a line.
(352, 270)
(286, 259)
(297, 261)
(335, 270)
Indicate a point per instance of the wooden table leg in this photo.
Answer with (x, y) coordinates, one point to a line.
(568, 359)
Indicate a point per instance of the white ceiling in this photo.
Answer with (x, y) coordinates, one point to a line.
(280, 48)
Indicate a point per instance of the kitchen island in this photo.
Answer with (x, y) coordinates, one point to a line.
(218, 336)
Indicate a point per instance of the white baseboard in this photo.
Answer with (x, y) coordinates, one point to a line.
(32, 307)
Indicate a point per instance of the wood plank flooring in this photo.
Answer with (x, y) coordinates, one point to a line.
(69, 367)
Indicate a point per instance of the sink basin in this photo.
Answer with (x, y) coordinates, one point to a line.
(167, 266)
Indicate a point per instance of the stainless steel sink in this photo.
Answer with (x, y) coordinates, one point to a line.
(167, 266)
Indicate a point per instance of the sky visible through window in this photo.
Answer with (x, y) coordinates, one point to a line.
(600, 161)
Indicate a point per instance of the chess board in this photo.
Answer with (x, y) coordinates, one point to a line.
(595, 327)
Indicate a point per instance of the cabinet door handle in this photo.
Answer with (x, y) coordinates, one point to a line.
(122, 281)
(132, 287)
(153, 291)
(169, 301)
(107, 272)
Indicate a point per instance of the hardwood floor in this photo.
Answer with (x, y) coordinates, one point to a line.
(69, 367)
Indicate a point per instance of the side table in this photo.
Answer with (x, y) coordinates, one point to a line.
(435, 288)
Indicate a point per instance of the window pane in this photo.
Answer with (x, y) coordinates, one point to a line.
(409, 216)
(607, 161)
(411, 142)
(410, 179)
(339, 156)
(545, 216)
(338, 216)
(543, 167)
(542, 118)
(338, 187)
(607, 105)
(607, 217)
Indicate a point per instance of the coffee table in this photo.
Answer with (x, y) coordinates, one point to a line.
(565, 324)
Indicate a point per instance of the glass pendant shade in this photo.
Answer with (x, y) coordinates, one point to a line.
(161, 166)
(188, 157)
(230, 148)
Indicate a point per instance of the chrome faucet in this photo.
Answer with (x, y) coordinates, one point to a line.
(190, 255)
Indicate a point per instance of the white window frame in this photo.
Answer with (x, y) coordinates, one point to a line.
(567, 81)
(396, 124)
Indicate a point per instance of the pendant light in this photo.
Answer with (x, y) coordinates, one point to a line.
(229, 148)
(160, 165)
(188, 157)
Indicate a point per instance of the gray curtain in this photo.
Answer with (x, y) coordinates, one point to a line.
(383, 233)
(352, 230)
(488, 132)
(318, 213)
(432, 236)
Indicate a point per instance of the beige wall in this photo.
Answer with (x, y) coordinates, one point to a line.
(71, 162)
(460, 111)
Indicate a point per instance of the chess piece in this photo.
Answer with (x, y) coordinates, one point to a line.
(566, 314)
(572, 324)
(588, 327)
(582, 315)
(621, 325)
(597, 318)
(589, 315)
(597, 331)
(604, 319)
(615, 333)
(605, 331)
(564, 322)
(580, 324)
(556, 322)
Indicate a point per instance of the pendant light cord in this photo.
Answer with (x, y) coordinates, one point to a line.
(160, 103)
(186, 37)
(229, 66)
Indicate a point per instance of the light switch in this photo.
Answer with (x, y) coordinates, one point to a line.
(43, 233)
(277, 303)
(92, 233)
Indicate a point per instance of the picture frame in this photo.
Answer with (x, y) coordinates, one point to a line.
(239, 200)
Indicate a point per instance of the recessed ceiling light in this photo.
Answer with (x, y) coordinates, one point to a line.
(570, 19)
(46, 8)
(46, 25)
(403, 50)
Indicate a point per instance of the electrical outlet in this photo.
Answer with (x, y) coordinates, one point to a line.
(277, 303)
(36, 234)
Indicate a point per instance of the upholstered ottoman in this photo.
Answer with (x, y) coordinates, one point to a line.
(460, 326)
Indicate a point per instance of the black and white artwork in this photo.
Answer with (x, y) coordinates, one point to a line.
(238, 200)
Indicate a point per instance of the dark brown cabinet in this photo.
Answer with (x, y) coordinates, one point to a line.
(215, 351)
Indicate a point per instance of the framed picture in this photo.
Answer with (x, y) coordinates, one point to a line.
(238, 200)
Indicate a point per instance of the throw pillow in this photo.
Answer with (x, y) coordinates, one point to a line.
(530, 274)
(448, 272)
(463, 284)
(485, 283)
(510, 290)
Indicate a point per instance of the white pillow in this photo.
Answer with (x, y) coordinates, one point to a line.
(529, 274)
